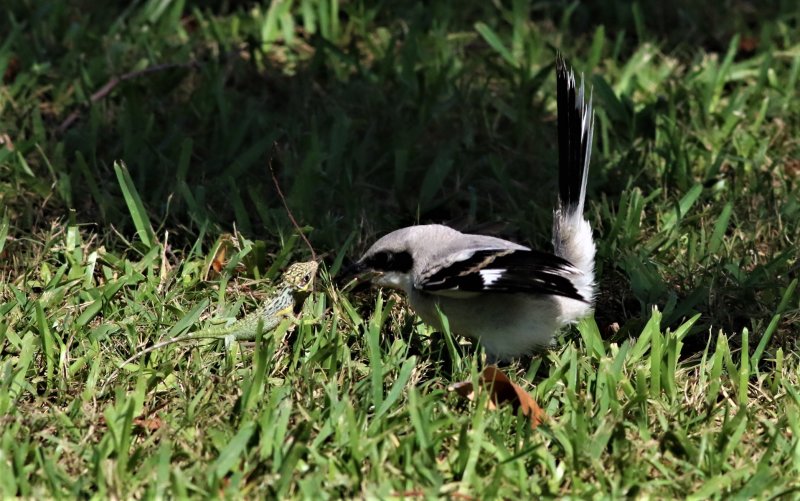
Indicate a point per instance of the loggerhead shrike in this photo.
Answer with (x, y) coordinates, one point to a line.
(510, 298)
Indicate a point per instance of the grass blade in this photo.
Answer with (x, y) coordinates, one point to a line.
(135, 207)
(5, 224)
(489, 35)
(233, 452)
(773, 325)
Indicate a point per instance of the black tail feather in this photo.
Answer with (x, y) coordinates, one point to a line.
(575, 131)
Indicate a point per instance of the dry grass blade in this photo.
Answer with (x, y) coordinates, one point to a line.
(289, 211)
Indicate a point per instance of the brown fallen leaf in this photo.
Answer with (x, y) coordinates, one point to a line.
(792, 167)
(150, 424)
(502, 390)
(221, 249)
(748, 44)
(5, 141)
(218, 263)
(12, 69)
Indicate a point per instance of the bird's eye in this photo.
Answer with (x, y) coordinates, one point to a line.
(307, 278)
(380, 260)
(390, 261)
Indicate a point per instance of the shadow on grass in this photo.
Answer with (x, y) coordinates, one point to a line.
(407, 115)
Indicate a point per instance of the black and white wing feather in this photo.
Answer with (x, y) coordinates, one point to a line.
(503, 270)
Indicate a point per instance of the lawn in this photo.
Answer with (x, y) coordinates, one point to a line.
(137, 203)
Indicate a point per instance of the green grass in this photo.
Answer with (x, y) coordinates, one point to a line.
(114, 196)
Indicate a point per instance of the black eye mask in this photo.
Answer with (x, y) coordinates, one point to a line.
(390, 261)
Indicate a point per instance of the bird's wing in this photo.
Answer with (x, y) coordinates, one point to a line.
(501, 270)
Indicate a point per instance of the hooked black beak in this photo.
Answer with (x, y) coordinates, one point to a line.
(354, 275)
(353, 269)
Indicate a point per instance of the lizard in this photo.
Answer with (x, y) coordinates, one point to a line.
(295, 285)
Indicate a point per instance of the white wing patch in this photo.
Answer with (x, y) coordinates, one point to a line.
(491, 276)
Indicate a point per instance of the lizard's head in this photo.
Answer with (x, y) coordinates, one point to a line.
(300, 276)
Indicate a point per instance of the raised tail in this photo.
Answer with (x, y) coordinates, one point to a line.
(572, 235)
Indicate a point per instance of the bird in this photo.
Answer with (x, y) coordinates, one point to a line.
(510, 298)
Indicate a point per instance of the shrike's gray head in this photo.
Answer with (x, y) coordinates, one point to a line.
(393, 259)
